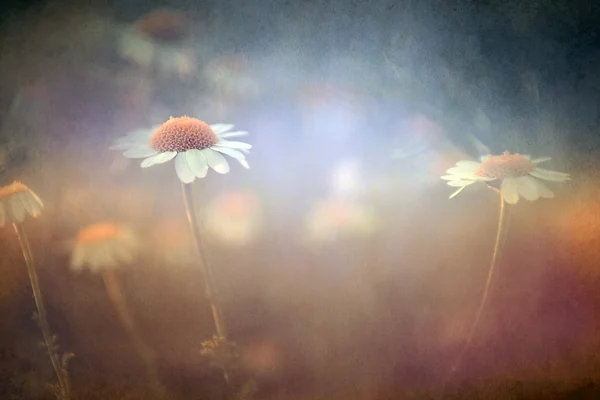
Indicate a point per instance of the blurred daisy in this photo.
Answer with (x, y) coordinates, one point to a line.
(193, 144)
(233, 218)
(16, 200)
(332, 218)
(230, 77)
(156, 41)
(516, 172)
(104, 245)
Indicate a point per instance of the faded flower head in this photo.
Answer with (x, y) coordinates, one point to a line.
(16, 200)
(516, 172)
(104, 245)
(156, 40)
(233, 218)
(193, 144)
(330, 219)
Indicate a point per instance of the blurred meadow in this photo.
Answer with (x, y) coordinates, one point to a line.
(344, 270)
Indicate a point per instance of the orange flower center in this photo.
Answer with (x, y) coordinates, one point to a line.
(98, 232)
(182, 134)
(12, 189)
(505, 166)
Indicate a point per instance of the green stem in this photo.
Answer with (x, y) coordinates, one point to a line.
(209, 285)
(61, 374)
(495, 256)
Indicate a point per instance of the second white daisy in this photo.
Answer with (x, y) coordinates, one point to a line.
(193, 144)
(519, 176)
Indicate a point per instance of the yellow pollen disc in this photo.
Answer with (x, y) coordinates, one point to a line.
(98, 232)
(182, 134)
(505, 166)
(12, 189)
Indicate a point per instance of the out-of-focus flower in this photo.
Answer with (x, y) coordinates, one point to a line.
(229, 77)
(516, 172)
(346, 179)
(330, 110)
(16, 200)
(104, 245)
(330, 219)
(193, 144)
(233, 218)
(157, 41)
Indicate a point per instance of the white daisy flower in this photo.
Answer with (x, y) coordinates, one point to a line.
(16, 200)
(104, 245)
(193, 144)
(516, 172)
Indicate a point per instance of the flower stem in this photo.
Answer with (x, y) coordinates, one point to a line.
(495, 256)
(209, 285)
(49, 339)
(115, 294)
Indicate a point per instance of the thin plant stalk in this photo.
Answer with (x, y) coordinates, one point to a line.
(209, 285)
(115, 294)
(500, 239)
(42, 319)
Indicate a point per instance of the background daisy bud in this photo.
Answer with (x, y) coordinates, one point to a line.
(104, 245)
(17, 200)
(233, 218)
(330, 219)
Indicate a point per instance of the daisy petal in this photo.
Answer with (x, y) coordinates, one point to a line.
(245, 164)
(197, 162)
(140, 152)
(471, 165)
(18, 211)
(36, 200)
(234, 145)
(457, 192)
(528, 188)
(158, 159)
(216, 161)
(238, 155)
(220, 128)
(510, 190)
(541, 160)
(548, 175)
(183, 170)
(2, 215)
(459, 171)
(233, 134)
(459, 183)
(27, 205)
